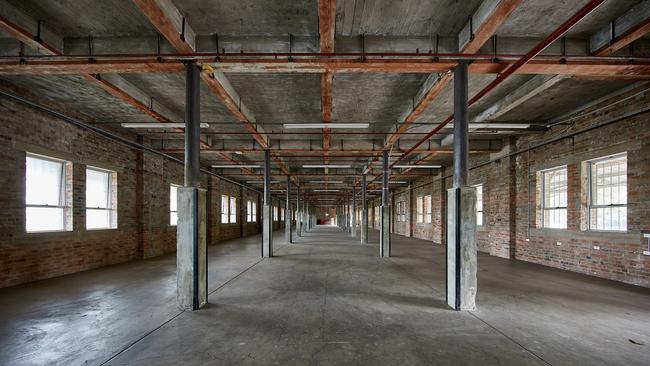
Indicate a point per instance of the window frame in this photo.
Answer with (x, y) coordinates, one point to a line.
(543, 208)
(275, 213)
(479, 213)
(428, 209)
(173, 186)
(232, 209)
(110, 195)
(65, 199)
(419, 208)
(590, 193)
(225, 209)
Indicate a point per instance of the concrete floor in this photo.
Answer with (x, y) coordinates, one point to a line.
(325, 300)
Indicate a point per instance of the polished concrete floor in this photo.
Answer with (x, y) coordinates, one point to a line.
(325, 300)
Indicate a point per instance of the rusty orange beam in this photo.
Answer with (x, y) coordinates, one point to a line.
(581, 66)
(160, 17)
(326, 24)
(486, 30)
(625, 39)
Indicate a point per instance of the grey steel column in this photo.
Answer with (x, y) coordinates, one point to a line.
(191, 240)
(384, 236)
(364, 211)
(461, 208)
(267, 216)
(287, 213)
(353, 219)
(461, 126)
(298, 213)
(192, 125)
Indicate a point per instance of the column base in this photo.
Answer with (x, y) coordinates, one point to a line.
(461, 248)
(191, 253)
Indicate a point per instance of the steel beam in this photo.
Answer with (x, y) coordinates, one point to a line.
(384, 234)
(287, 213)
(461, 127)
(267, 216)
(364, 211)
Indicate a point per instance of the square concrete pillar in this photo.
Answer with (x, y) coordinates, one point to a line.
(384, 232)
(267, 231)
(191, 249)
(461, 248)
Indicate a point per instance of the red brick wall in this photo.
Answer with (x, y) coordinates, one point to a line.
(509, 195)
(143, 181)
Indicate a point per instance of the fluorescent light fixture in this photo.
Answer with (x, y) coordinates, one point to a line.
(475, 125)
(374, 190)
(326, 199)
(325, 125)
(262, 182)
(236, 166)
(158, 125)
(417, 166)
(397, 182)
(326, 166)
(326, 190)
(323, 181)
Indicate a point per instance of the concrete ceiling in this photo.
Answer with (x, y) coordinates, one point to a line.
(274, 98)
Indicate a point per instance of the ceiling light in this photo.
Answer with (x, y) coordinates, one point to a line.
(158, 125)
(236, 166)
(325, 125)
(262, 182)
(476, 125)
(417, 166)
(326, 190)
(397, 182)
(326, 166)
(324, 181)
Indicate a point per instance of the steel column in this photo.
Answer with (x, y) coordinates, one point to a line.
(192, 125)
(287, 213)
(298, 213)
(267, 216)
(461, 127)
(384, 236)
(364, 211)
(353, 218)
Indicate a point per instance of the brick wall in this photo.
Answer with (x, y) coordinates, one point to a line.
(143, 182)
(511, 228)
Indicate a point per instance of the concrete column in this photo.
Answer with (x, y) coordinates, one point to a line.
(364, 211)
(298, 213)
(267, 214)
(191, 254)
(287, 213)
(384, 223)
(461, 203)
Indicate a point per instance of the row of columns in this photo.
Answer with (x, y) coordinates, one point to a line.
(461, 200)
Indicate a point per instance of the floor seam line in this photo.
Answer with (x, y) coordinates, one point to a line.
(510, 338)
(177, 315)
(474, 315)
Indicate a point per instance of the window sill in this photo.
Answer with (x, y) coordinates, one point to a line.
(47, 232)
(102, 229)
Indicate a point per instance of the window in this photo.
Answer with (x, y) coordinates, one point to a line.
(228, 209)
(48, 194)
(224, 209)
(251, 211)
(554, 202)
(173, 205)
(101, 199)
(479, 204)
(419, 209)
(282, 214)
(608, 193)
(401, 211)
(233, 210)
(428, 212)
(275, 213)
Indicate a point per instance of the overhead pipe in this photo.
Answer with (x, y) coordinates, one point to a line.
(555, 35)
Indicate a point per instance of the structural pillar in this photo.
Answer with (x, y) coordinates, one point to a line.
(461, 206)
(298, 213)
(384, 223)
(267, 214)
(287, 213)
(364, 211)
(191, 254)
(353, 216)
